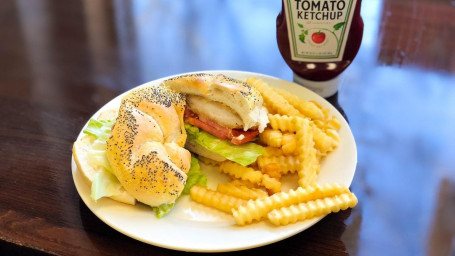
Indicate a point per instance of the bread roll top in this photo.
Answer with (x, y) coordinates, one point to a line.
(244, 100)
(146, 150)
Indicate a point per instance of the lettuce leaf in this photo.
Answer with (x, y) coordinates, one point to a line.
(244, 154)
(162, 210)
(106, 184)
(100, 129)
(195, 176)
(96, 156)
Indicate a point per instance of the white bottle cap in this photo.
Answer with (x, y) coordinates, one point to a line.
(322, 88)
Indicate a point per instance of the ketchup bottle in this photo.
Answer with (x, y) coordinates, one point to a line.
(319, 39)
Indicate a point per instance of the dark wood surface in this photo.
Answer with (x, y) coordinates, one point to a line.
(60, 61)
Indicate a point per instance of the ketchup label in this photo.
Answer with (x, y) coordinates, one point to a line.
(318, 29)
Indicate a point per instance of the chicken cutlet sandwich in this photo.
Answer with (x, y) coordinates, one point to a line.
(135, 153)
(139, 152)
(222, 116)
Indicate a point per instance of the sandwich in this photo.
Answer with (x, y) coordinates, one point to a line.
(222, 116)
(135, 153)
(140, 152)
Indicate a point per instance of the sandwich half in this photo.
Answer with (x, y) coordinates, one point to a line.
(222, 116)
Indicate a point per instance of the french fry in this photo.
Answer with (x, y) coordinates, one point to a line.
(309, 166)
(214, 199)
(270, 137)
(259, 208)
(308, 175)
(289, 143)
(326, 112)
(273, 100)
(333, 134)
(272, 151)
(284, 123)
(325, 142)
(288, 164)
(251, 175)
(241, 172)
(272, 169)
(271, 184)
(248, 184)
(277, 139)
(311, 209)
(305, 107)
(333, 123)
(240, 191)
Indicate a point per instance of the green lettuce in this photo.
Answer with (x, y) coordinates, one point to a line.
(195, 176)
(96, 156)
(244, 154)
(162, 210)
(105, 183)
(100, 129)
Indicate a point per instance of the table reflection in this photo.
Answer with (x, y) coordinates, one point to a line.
(425, 42)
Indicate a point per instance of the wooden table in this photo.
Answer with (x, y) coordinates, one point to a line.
(60, 61)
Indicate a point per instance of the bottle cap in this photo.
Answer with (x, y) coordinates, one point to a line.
(322, 88)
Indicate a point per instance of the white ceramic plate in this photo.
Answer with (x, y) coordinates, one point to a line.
(193, 227)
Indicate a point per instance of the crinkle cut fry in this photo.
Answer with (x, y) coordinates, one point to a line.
(312, 110)
(332, 123)
(272, 100)
(246, 183)
(305, 107)
(311, 209)
(284, 123)
(271, 184)
(324, 141)
(309, 165)
(214, 199)
(289, 143)
(251, 175)
(275, 138)
(309, 175)
(271, 137)
(241, 172)
(240, 191)
(272, 151)
(259, 208)
(288, 164)
(272, 169)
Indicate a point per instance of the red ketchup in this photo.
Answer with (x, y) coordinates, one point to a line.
(319, 39)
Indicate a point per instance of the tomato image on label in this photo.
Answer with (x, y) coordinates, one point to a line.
(318, 37)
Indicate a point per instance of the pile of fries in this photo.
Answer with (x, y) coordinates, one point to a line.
(300, 134)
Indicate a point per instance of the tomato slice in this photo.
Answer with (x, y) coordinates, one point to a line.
(220, 132)
(236, 136)
(238, 139)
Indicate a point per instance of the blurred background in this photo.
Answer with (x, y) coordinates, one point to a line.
(398, 94)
